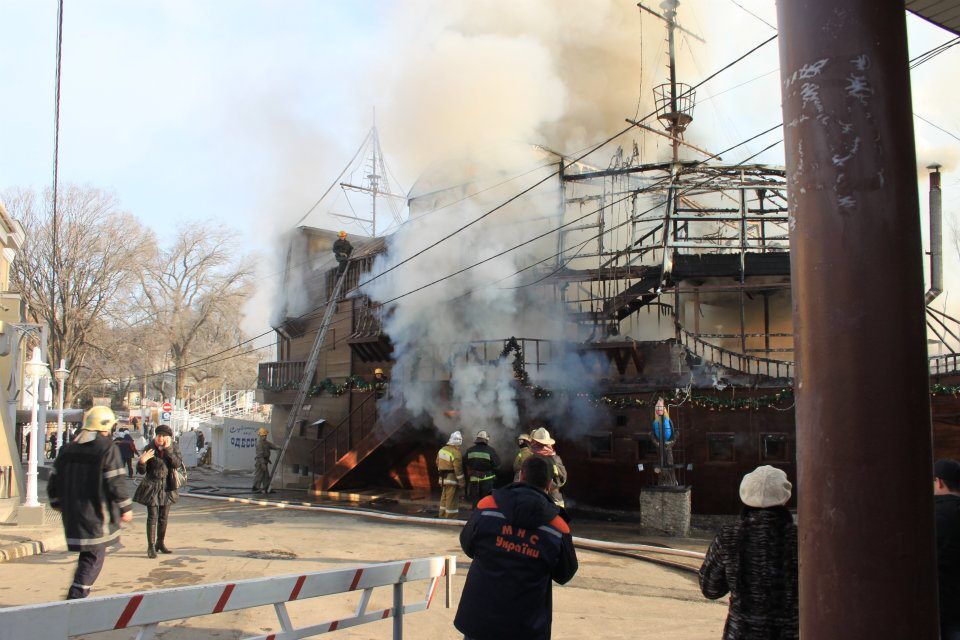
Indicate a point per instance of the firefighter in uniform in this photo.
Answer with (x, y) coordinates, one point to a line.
(482, 462)
(87, 487)
(261, 475)
(541, 444)
(523, 441)
(450, 466)
(380, 383)
(341, 251)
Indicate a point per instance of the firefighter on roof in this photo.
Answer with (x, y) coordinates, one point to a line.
(341, 251)
(450, 466)
(482, 463)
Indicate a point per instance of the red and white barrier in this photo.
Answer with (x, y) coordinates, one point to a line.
(60, 620)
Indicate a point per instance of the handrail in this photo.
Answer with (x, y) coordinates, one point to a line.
(335, 433)
(944, 363)
(147, 609)
(744, 363)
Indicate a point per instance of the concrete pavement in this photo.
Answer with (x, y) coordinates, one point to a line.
(610, 597)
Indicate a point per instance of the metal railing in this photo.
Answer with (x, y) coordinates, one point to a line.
(944, 364)
(741, 362)
(279, 376)
(146, 610)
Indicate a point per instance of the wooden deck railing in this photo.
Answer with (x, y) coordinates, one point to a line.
(280, 376)
(741, 362)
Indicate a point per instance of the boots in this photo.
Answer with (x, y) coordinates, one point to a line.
(162, 530)
(151, 536)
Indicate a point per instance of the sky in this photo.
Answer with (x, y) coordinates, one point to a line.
(243, 112)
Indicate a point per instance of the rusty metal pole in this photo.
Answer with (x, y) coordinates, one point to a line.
(867, 563)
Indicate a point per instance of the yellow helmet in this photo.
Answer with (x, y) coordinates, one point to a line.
(342, 234)
(261, 431)
(378, 370)
(99, 419)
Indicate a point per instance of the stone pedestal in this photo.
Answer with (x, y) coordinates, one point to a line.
(30, 516)
(666, 509)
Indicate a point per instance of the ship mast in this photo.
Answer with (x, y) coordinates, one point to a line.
(674, 100)
(375, 184)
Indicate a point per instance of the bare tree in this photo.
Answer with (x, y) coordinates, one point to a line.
(96, 265)
(199, 280)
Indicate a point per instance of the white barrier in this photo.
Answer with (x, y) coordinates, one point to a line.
(59, 620)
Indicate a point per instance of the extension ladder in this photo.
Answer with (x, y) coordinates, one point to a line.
(308, 372)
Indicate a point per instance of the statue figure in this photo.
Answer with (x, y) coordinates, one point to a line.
(664, 436)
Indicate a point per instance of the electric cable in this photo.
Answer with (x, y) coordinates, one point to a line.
(513, 198)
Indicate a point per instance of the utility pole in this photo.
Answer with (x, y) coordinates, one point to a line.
(867, 554)
(54, 222)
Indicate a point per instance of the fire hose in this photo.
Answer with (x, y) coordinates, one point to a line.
(618, 548)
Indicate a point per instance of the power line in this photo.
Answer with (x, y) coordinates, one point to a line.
(753, 14)
(933, 53)
(558, 171)
(936, 126)
(513, 198)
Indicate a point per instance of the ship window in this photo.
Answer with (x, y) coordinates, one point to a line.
(600, 445)
(720, 447)
(774, 447)
(646, 449)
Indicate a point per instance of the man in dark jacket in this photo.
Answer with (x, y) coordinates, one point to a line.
(86, 485)
(482, 462)
(128, 450)
(519, 540)
(946, 503)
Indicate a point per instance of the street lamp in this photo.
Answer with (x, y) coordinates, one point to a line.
(61, 375)
(36, 369)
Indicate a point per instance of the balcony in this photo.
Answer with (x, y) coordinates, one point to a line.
(277, 382)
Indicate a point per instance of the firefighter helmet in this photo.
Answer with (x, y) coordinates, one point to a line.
(99, 418)
(522, 439)
(456, 439)
(342, 234)
(378, 370)
(482, 436)
(541, 436)
(261, 432)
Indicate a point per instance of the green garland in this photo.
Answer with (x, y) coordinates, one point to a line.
(944, 390)
(329, 387)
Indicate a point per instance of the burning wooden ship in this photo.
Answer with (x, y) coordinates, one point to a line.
(673, 278)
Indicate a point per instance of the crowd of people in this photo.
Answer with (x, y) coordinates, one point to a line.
(519, 540)
(518, 536)
(474, 471)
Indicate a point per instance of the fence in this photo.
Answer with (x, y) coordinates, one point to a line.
(146, 610)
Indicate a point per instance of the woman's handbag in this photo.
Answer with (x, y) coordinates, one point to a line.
(177, 478)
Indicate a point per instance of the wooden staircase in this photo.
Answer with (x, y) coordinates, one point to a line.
(634, 297)
(347, 444)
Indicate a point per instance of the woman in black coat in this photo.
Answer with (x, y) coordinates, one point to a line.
(157, 490)
(755, 561)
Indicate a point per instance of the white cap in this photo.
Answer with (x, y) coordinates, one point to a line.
(456, 439)
(483, 436)
(764, 487)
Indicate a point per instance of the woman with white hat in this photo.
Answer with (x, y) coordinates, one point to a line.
(755, 561)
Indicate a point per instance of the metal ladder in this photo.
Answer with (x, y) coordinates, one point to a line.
(308, 372)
